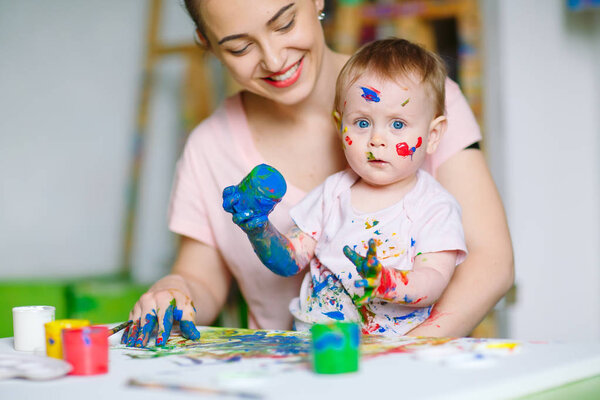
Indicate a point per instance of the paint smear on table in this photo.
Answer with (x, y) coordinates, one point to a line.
(291, 347)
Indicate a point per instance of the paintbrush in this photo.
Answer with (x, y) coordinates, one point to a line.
(119, 328)
(194, 389)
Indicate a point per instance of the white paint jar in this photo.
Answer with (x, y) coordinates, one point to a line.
(28, 327)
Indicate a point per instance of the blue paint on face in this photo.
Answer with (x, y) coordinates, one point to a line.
(370, 94)
(412, 242)
(188, 330)
(337, 315)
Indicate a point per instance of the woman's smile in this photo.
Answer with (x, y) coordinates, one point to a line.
(287, 77)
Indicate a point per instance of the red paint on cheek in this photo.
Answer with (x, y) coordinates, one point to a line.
(403, 150)
(348, 140)
(419, 142)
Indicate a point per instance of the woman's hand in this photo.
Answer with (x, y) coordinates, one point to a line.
(166, 303)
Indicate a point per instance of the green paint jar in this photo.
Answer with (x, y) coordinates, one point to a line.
(335, 347)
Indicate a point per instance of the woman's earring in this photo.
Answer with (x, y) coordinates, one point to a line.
(321, 16)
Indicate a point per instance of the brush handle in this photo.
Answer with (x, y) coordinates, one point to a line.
(118, 328)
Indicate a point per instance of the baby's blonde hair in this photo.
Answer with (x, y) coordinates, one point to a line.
(393, 58)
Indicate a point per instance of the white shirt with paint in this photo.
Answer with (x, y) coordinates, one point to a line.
(426, 220)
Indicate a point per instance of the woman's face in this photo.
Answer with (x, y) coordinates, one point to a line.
(273, 48)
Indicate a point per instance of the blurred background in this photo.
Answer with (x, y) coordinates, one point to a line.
(96, 100)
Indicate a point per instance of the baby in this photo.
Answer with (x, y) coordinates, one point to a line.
(383, 237)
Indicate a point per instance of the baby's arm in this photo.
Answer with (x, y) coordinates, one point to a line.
(419, 287)
(251, 202)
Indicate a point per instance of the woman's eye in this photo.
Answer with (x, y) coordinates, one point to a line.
(398, 124)
(363, 123)
(239, 52)
(287, 26)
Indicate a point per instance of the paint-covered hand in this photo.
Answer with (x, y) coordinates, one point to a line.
(157, 312)
(369, 268)
(253, 199)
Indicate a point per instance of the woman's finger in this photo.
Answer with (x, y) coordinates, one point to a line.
(185, 313)
(165, 322)
(147, 328)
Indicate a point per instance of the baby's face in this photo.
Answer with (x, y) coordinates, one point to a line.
(385, 128)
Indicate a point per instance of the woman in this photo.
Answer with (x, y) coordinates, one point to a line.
(275, 49)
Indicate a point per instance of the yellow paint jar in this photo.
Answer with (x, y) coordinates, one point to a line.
(54, 329)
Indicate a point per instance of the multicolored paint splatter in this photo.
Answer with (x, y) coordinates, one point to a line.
(370, 94)
(404, 150)
(293, 348)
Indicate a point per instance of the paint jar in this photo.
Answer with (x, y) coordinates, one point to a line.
(262, 183)
(54, 347)
(86, 349)
(335, 347)
(28, 327)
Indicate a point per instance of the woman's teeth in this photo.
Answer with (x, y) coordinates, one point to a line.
(287, 74)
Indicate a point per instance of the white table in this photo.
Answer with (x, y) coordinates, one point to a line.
(429, 372)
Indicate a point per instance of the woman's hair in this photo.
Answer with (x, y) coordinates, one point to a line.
(391, 59)
(193, 9)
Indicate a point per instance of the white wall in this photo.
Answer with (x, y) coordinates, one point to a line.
(69, 79)
(544, 128)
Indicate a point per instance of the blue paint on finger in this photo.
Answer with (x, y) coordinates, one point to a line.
(147, 329)
(188, 330)
(177, 314)
(165, 330)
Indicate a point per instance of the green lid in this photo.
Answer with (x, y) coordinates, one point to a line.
(335, 347)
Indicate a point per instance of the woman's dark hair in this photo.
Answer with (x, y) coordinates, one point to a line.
(193, 9)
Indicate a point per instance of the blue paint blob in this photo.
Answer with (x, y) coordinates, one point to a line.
(330, 340)
(337, 315)
(320, 285)
(188, 330)
(370, 94)
(260, 190)
(177, 314)
(412, 242)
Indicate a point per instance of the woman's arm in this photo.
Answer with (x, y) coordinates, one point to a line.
(488, 271)
(194, 293)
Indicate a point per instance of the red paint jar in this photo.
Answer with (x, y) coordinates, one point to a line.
(86, 349)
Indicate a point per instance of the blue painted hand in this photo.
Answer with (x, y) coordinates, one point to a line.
(253, 199)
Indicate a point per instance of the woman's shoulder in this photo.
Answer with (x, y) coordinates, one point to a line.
(221, 123)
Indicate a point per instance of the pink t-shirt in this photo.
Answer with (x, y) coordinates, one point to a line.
(426, 220)
(219, 153)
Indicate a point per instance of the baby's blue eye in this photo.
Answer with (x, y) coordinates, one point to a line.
(398, 124)
(363, 123)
